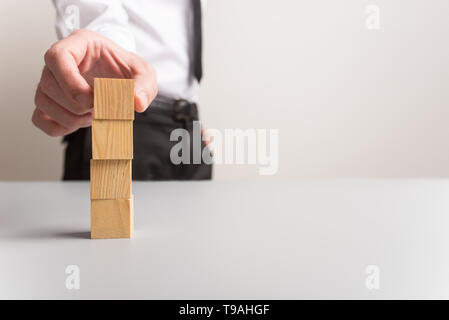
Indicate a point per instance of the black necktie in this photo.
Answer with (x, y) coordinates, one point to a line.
(197, 66)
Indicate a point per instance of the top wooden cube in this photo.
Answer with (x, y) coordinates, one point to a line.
(113, 99)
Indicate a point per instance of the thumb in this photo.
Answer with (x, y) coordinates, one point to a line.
(145, 89)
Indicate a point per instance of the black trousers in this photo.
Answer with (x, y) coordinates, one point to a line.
(152, 145)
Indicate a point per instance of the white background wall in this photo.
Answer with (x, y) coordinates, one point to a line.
(348, 102)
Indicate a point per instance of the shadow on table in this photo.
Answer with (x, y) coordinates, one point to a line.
(72, 235)
(47, 235)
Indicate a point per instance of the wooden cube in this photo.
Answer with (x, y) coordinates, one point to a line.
(112, 139)
(112, 218)
(113, 99)
(110, 179)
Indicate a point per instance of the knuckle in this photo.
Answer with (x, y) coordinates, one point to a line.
(52, 53)
(81, 32)
(77, 32)
(37, 99)
(46, 84)
(34, 119)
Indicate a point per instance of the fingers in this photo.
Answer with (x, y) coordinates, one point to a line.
(145, 87)
(49, 126)
(50, 87)
(59, 114)
(64, 98)
(62, 68)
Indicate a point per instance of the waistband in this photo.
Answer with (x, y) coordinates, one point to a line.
(179, 109)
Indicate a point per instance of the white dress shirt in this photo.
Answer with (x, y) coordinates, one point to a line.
(157, 30)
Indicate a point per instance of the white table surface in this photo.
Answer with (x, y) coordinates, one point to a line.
(231, 240)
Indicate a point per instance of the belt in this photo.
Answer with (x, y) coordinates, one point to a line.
(179, 109)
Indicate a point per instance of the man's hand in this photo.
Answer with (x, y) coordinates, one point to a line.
(64, 97)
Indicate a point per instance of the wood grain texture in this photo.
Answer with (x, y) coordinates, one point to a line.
(110, 179)
(112, 139)
(113, 99)
(112, 218)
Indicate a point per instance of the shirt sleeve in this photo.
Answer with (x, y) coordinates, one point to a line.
(107, 17)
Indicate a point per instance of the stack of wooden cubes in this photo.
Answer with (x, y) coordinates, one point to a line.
(112, 154)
